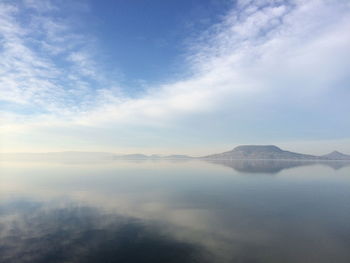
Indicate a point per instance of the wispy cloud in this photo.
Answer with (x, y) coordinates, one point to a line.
(279, 50)
(266, 60)
(44, 63)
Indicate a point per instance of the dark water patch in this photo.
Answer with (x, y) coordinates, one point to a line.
(83, 234)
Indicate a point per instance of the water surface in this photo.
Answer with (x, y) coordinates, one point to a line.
(175, 211)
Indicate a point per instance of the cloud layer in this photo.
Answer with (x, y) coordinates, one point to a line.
(269, 69)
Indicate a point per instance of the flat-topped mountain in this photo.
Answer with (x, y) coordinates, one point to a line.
(335, 155)
(260, 152)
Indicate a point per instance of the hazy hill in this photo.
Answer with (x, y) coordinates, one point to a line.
(335, 155)
(152, 157)
(256, 152)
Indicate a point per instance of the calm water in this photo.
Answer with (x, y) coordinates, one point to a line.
(185, 211)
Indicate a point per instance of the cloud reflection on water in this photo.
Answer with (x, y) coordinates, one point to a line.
(185, 212)
(37, 233)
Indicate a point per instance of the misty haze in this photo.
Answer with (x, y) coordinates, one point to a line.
(174, 131)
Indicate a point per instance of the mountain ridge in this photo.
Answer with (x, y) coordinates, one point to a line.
(271, 152)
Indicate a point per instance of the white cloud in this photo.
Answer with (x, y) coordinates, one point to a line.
(34, 47)
(245, 55)
(275, 53)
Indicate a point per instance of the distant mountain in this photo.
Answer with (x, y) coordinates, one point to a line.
(151, 157)
(263, 152)
(335, 155)
(243, 152)
(83, 156)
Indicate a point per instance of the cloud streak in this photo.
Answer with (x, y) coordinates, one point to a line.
(270, 60)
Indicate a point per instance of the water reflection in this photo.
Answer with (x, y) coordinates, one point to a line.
(274, 166)
(32, 232)
(173, 212)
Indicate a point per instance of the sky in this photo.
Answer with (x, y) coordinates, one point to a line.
(186, 76)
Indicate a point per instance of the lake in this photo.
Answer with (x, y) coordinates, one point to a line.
(175, 211)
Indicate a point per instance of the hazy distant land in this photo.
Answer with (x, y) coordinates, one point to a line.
(271, 152)
(243, 152)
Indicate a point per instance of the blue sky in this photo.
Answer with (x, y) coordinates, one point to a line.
(174, 76)
(146, 40)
